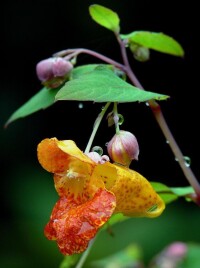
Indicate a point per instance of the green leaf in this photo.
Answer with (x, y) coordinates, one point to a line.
(119, 217)
(182, 191)
(102, 85)
(43, 99)
(157, 41)
(105, 17)
(127, 257)
(170, 194)
(84, 69)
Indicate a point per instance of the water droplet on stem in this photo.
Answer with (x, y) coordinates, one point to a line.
(187, 161)
(98, 150)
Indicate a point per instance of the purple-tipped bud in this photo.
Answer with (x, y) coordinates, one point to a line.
(123, 148)
(44, 69)
(61, 67)
(52, 68)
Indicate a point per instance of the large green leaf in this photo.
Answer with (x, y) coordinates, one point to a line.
(43, 99)
(102, 85)
(86, 68)
(157, 41)
(105, 17)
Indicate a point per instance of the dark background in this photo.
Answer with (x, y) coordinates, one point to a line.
(34, 30)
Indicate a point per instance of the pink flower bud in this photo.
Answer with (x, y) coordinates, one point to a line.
(44, 69)
(61, 67)
(52, 68)
(123, 148)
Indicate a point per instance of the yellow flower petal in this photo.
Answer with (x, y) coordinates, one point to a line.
(51, 157)
(71, 167)
(135, 195)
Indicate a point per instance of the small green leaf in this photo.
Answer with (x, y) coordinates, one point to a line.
(105, 17)
(182, 191)
(119, 217)
(157, 41)
(102, 85)
(170, 194)
(160, 187)
(43, 99)
(127, 257)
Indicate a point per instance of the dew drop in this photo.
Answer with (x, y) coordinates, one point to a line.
(147, 104)
(187, 161)
(98, 150)
(176, 159)
(106, 144)
(121, 119)
(80, 105)
(167, 141)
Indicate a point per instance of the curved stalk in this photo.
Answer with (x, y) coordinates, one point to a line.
(96, 126)
(71, 53)
(85, 254)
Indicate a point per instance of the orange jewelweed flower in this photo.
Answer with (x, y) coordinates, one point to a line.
(90, 193)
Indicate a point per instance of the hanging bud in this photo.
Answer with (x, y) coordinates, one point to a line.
(53, 71)
(61, 67)
(44, 69)
(123, 148)
(140, 53)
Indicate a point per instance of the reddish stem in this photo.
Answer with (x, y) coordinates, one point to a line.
(157, 112)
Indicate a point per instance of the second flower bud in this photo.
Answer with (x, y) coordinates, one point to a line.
(123, 148)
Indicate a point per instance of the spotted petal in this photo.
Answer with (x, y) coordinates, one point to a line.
(74, 225)
(134, 194)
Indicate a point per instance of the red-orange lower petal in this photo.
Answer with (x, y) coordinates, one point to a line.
(73, 226)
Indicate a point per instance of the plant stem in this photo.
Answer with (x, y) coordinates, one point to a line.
(116, 118)
(156, 109)
(85, 254)
(70, 53)
(96, 126)
(87, 150)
